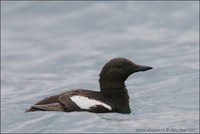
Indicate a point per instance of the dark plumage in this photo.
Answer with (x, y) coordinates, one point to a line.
(113, 91)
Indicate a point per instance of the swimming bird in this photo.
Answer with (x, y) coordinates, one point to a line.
(112, 97)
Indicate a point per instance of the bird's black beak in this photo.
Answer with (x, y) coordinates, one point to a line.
(138, 68)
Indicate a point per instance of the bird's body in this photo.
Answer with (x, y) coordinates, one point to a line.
(113, 96)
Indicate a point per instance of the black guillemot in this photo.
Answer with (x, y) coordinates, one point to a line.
(113, 96)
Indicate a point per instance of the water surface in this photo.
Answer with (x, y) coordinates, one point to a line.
(51, 47)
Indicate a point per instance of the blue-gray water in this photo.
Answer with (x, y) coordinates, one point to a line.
(51, 47)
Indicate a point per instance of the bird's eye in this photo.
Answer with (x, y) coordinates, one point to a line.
(119, 66)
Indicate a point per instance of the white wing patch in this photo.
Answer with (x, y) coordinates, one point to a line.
(86, 103)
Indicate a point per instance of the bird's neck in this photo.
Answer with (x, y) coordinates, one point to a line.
(115, 90)
(111, 86)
